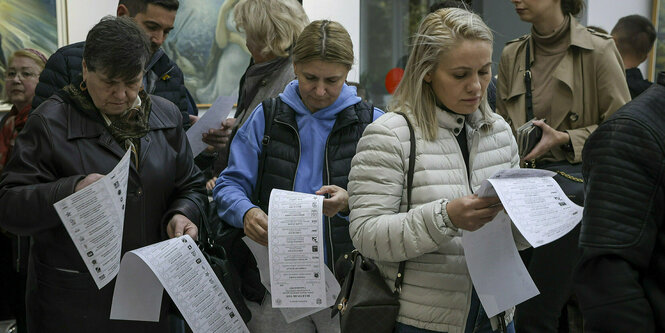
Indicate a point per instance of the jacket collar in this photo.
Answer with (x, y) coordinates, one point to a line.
(82, 125)
(455, 122)
(579, 35)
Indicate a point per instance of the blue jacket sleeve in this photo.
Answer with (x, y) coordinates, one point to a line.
(236, 183)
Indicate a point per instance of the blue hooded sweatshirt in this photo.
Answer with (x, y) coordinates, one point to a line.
(235, 184)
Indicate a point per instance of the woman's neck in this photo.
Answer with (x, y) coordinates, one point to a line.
(21, 106)
(549, 24)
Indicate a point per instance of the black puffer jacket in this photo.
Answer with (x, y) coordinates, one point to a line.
(64, 66)
(620, 280)
(60, 145)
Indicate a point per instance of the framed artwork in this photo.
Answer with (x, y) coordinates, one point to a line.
(208, 48)
(657, 58)
(29, 24)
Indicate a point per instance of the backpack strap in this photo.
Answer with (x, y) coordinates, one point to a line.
(269, 111)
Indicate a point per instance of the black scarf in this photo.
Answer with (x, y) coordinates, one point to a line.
(130, 126)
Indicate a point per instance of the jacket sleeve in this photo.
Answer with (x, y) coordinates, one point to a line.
(622, 215)
(189, 197)
(54, 77)
(376, 182)
(236, 183)
(29, 186)
(612, 93)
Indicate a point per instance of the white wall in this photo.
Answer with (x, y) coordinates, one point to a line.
(84, 14)
(347, 13)
(606, 13)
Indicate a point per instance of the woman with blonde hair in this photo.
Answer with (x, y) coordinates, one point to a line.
(303, 141)
(459, 143)
(271, 28)
(575, 81)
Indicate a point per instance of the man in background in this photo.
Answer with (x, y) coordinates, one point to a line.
(163, 77)
(634, 36)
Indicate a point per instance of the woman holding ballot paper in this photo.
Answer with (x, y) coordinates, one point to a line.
(72, 140)
(561, 81)
(304, 140)
(460, 142)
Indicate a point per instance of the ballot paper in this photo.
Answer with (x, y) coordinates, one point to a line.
(213, 118)
(290, 315)
(295, 248)
(178, 266)
(496, 269)
(94, 218)
(535, 202)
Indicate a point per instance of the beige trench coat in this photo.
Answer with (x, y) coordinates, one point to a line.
(591, 86)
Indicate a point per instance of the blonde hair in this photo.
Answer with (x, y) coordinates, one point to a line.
(326, 41)
(273, 24)
(36, 56)
(438, 33)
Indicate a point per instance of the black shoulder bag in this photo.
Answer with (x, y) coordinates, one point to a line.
(223, 267)
(229, 238)
(569, 176)
(365, 303)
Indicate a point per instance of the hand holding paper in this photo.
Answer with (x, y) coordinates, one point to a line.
(256, 225)
(472, 212)
(180, 225)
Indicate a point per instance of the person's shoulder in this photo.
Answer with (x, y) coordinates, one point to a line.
(518, 40)
(53, 102)
(167, 112)
(600, 40)
(599, 34)
(70, 50)
(512, 46)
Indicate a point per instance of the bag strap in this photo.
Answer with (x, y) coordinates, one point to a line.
(527, 82)
(269, 112)
(409, 188)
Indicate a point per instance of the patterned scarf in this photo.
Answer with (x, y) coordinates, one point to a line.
(127, 128)
(13, 123)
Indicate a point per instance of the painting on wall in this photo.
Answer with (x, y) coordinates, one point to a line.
(208, 48)
(26, 24)
(657, 61)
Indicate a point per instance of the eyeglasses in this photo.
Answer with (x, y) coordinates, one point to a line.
(10, 75)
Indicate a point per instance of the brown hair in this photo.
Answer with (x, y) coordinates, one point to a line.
(573, 7)
(326, 41)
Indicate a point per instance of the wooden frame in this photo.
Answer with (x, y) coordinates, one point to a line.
(657, 56)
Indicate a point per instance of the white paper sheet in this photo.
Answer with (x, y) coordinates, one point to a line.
(212, 118)
(94, 218)
(496, 269)
(178, 266)
(535, 203)
(295, 247)
(260, 253)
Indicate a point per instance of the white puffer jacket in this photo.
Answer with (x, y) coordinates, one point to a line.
(436, 291)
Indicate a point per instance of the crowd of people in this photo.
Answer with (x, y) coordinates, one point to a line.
(300, 126)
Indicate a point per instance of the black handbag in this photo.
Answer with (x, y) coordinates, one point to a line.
(365, 303)
(569, 176)
(223, 267)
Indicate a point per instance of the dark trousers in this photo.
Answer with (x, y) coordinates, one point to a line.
(551, 267)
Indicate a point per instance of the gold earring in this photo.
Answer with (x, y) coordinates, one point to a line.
(83, 86)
